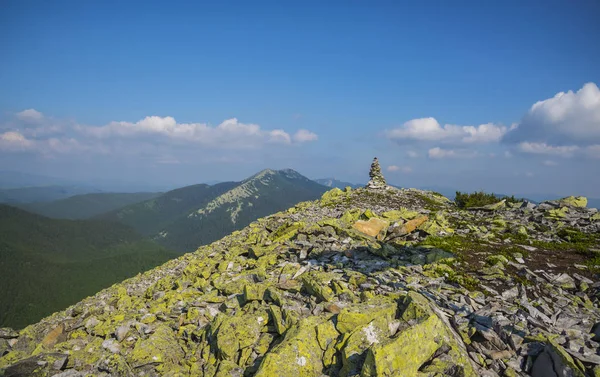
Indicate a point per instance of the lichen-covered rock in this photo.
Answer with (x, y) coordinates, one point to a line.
(239, 331)
(574, 201)
(491, 292)
(330, 196)
(299, 354)
(317, 284)
(160, 348)
(355, 316)
(409, 350)
(358, 342)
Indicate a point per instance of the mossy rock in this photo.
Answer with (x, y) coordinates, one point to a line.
(355, 346)
(299, 354)
(399, 214)
(415, 307)
(161, 347)
(331, 196)
(355, 316)
(557, 213)
(287, 231)
(407, 353)
(574, 201)
(317, 284)
(351, 215)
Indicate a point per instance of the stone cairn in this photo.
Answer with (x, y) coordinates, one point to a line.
(377, 180)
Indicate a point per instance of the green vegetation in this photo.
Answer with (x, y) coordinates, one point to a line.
(574, 240)
(47, 264)
(152, 216)
(251, 199)
(87, 205)
(480, 199)
(192, 216)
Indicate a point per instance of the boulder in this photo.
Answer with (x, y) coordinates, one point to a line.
(372, 227)
(554, 361)
(161, 347)
(408, 351)
(355, 347)
(299, 354)
(355, 316)
(574, 201)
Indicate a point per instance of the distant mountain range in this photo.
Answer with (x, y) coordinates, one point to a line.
(86, 205)
(48, 264)
(41, 193)
(332, 182)
(191, 216)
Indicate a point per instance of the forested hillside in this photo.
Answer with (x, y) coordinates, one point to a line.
(48, 264)
(87, 205)
(151, 216)
(186, 218)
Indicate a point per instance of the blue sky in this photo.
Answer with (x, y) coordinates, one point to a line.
(184, 92)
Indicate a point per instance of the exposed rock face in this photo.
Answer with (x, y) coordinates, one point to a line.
(377, 181)
(360, 283)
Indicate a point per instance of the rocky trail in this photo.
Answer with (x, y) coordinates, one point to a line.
(367, 282)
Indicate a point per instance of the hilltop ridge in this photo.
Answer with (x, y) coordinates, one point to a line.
(187, 217)
(361, 282)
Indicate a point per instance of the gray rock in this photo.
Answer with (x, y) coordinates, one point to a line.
(8, 333)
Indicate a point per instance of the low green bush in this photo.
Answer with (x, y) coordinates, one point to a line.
(480, 198)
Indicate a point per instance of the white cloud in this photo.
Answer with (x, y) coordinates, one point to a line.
(279, 136)
(485, 133)
(15, 141)
(571, 117)
(412, 154)
(30, 115)
(63, 145)
(428, 129)
(229, 134)
(545, 149)
(549, 163)
(150, 135)
(402, 169)
(439, 153)
(304, 135)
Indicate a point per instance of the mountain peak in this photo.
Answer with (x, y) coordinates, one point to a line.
(289, 173)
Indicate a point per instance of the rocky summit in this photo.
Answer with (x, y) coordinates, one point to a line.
(363, 282)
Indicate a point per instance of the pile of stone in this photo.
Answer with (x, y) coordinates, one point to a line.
(376, 181)
(362, 282)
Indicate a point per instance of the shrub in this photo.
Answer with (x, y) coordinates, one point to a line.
(476, 199)
(480, 198)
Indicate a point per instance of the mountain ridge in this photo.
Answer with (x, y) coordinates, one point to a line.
(187, 217)
(334, 183)
(342, 286)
